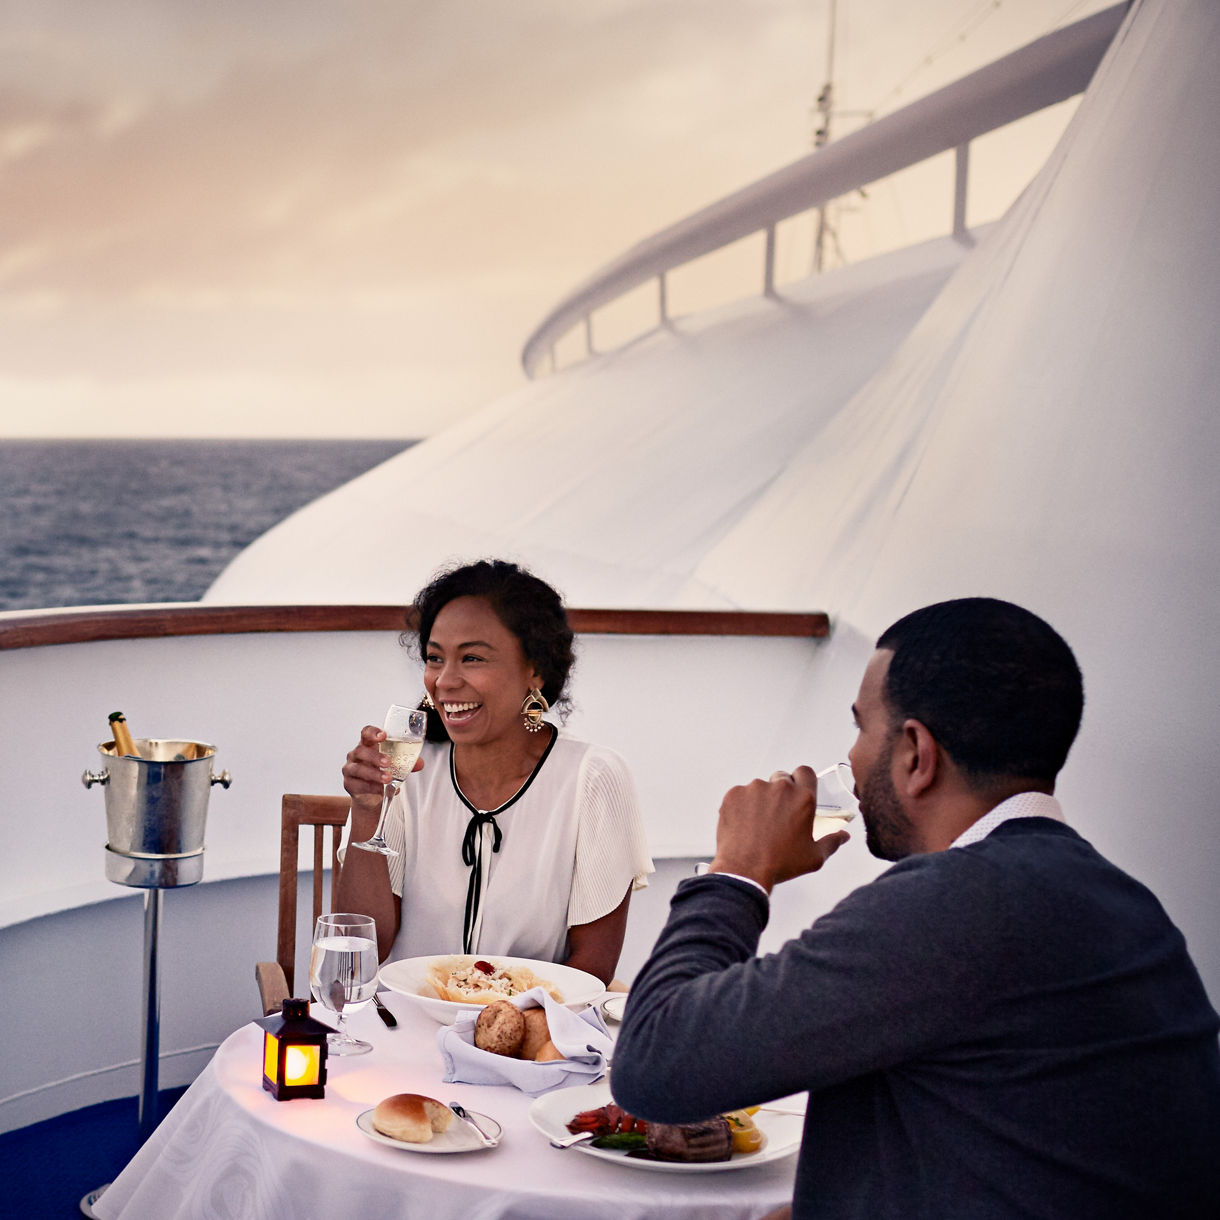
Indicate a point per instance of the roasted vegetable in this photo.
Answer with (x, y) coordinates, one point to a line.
(746, 1136)
(620, 1141)
(607, 1120)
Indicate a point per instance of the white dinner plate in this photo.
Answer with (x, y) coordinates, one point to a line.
(459, 1137)
(409, 977)
(552, 1112)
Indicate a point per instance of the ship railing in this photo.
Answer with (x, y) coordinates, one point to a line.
(1043, 73)
(31, 629)
(280, 692)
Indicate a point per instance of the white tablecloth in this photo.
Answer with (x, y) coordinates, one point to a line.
(228, 1150)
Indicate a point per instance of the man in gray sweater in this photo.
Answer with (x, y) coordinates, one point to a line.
(1002, 1025)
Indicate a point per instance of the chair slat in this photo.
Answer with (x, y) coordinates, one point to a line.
(320, 813)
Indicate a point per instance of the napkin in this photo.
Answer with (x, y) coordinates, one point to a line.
(581, 1038)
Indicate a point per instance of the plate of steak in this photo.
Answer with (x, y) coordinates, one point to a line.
(696, 1147)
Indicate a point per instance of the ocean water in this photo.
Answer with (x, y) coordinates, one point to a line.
(101, 521)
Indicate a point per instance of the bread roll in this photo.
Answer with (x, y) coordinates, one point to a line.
(548, 1052)
(500, 1028)
(411, 1117)
(537, 1033)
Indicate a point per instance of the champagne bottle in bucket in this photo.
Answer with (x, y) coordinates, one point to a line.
(123, 744)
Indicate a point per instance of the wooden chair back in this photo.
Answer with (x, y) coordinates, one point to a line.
(297, 811)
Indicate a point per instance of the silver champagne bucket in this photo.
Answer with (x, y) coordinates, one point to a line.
(156, 810)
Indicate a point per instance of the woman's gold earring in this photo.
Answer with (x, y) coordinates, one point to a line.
(427, 702)
(533, 709)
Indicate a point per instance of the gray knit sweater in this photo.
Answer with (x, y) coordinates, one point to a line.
(1009, 1029)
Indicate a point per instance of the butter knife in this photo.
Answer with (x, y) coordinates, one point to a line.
(466, 1117)
(384, 1013)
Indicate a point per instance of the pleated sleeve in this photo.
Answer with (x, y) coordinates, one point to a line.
(611, 846)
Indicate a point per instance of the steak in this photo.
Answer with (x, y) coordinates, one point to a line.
(710, 1140)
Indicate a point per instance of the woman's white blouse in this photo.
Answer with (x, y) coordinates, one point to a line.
(571, 845)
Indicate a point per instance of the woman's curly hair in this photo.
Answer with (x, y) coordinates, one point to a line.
(525, 604)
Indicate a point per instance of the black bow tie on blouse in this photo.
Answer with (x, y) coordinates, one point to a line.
(472, 840)
(472, 856)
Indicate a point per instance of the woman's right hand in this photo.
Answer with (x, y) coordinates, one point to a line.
(367, 770)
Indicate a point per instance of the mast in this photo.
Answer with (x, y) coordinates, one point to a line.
(821, 136)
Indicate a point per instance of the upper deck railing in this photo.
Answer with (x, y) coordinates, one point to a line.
(1043, 73)
(42, 628)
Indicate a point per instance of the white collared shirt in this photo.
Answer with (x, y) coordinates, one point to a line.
(1023, 805)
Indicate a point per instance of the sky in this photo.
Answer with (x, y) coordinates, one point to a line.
(289, 218)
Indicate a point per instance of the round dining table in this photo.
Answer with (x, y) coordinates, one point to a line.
(228, 1150)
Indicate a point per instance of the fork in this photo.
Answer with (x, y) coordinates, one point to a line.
(566, 1141)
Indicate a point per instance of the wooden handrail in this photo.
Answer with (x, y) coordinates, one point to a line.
(37, 629)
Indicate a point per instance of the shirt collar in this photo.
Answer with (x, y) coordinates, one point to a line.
(1023, 805)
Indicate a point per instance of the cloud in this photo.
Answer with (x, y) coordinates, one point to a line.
(204, 190)
(348, 155)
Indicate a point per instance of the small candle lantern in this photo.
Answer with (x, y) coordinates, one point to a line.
(294, 1052)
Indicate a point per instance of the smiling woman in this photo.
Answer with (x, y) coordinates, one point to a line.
(513, 837)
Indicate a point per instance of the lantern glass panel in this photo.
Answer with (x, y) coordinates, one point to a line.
(301, 1065)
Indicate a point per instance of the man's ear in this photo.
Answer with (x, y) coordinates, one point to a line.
(917, 758)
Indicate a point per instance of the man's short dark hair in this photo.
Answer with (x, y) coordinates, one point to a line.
(996, 686)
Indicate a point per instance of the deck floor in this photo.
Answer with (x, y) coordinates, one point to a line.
(48, 1167)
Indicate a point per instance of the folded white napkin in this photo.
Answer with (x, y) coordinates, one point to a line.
(580, 1037)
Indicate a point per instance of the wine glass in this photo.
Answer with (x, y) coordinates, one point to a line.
(343, 973)
(837, 803)
(404, 738)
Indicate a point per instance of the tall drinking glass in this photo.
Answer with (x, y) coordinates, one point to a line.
(343, 973)
(404, 738)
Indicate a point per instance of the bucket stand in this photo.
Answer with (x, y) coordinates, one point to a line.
(155, 813)
(151, 1025)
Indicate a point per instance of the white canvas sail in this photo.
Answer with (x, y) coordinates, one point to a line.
(1049, 433)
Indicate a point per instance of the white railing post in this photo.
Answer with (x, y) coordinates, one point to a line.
(961, 163)
(769, 264)
(662, 299)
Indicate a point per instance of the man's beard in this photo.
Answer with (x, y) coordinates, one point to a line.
(888, 832)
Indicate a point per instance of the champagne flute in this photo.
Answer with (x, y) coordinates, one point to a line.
(343, 973)
(404, 738)
(837, 804)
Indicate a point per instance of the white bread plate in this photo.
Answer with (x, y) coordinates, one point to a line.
(409, 977)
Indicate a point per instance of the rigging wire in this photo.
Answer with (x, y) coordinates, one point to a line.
(960, 33)
(963, 30)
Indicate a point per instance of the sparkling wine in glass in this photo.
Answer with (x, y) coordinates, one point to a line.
(837, 804)
(343, 973)
(404, 738)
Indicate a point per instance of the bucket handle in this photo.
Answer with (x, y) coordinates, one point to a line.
(89, 778)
